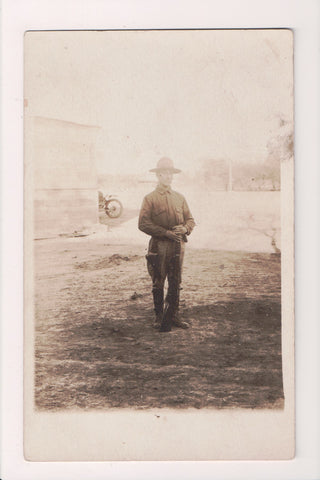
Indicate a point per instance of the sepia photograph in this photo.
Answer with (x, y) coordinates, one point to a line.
(158, 188)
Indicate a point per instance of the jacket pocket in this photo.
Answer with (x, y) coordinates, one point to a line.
(159, 212)
(159, 217)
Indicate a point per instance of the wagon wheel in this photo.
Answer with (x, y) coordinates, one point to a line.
(113, 208)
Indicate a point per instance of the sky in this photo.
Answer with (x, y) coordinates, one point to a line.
(190, 95)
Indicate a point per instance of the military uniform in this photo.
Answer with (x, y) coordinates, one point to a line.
(162, 210)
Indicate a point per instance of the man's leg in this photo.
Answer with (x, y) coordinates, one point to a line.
(158, 305)
(158, 275)
(174, 282)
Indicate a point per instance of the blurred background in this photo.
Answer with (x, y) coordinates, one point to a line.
(101, 108)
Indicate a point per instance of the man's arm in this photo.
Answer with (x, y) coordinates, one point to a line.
(189, 222)
(146, 224)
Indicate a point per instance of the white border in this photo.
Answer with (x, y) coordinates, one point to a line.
(21, 15)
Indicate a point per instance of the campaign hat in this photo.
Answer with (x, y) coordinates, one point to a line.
(165, 164)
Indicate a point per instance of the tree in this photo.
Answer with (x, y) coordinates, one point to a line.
(280, 149)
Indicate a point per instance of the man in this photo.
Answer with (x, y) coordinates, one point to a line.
(165, 216)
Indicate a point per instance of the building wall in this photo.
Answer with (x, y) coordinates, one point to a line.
(65, 181)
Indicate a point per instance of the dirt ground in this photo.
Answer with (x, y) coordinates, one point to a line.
(95, 345)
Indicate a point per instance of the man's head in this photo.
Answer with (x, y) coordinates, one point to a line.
(165, 177)
(164, 171)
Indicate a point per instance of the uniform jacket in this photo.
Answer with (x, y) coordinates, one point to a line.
(163, 209)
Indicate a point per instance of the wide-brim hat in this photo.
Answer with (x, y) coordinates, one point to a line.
(165, 164)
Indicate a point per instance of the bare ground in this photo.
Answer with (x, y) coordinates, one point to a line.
(95, 345)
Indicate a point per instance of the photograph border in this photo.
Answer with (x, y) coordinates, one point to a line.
(215, 433)
(304, 21)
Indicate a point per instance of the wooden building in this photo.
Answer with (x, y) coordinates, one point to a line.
(61, 166)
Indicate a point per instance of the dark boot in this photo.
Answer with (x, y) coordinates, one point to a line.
(158, 306)
(168, 314)
(166, 319)
(176, 321)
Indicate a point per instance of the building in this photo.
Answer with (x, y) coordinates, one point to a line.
(61, 175)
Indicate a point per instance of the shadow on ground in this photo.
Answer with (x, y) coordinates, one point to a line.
(229, 357)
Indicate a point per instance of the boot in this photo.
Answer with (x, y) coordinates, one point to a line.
(177, 322)
(158, 321)
(158, 307)
(166, 319)
(168, 313)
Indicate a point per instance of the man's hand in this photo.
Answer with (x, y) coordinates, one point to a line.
(173, 236)
(180, 229)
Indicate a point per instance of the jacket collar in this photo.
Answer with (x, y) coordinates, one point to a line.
(162, 190)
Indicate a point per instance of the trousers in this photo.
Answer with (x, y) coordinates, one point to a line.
(166, 265)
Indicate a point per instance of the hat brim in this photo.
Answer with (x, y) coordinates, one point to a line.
(172, 170)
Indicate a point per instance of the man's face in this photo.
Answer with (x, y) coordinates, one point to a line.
(165, 177)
